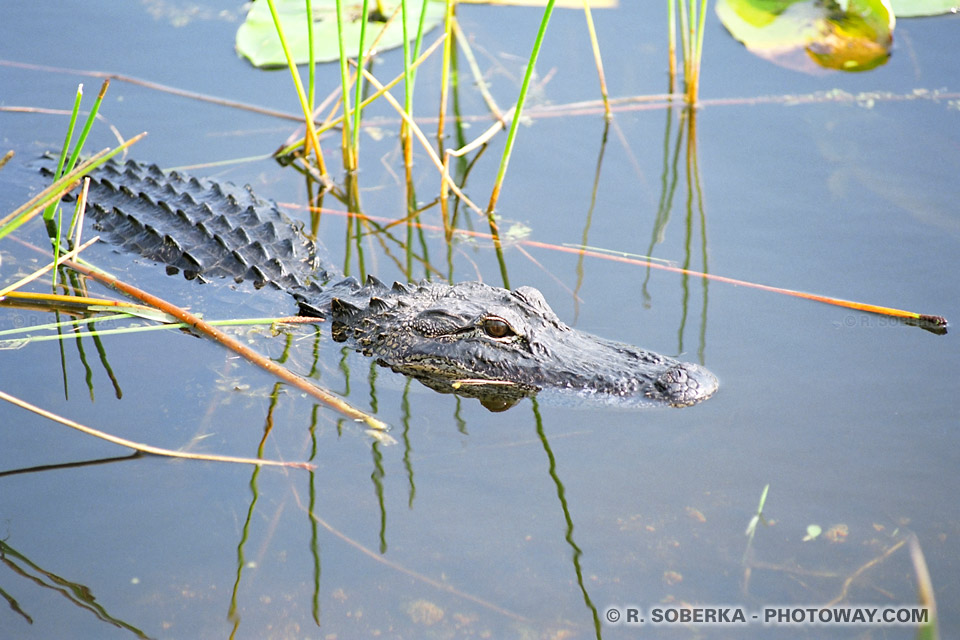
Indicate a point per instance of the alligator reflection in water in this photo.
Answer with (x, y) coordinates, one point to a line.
(468, 338)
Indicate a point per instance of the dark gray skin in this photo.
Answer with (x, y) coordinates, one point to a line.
(468, 338)
(508, 344)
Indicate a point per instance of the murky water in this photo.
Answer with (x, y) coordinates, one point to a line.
(535, 521)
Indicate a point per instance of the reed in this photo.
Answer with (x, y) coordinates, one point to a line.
(692, 21)
(313, 142)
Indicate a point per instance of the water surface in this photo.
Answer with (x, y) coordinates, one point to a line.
(531, 522)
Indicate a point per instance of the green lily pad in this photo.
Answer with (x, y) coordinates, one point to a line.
(813, 531)
(807, 35)
(917, 8)
(257, 38)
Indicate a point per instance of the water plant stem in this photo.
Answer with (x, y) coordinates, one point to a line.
(233, 344)
(349, 157)
(511, 137)
(12, 221)
(145, 448)
(381, 88)
(423, 141)
(595, 45)
(445, 71)
(692, 22)
(312, 68)
(672, 46)
(42, 270)
(925, 320)
(518, 110)
(48, 211)
(358, 82)
(312, 140)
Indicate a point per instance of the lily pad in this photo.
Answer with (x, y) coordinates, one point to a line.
(257, 38)
(917, 8)
(808, 35)
(813, 531)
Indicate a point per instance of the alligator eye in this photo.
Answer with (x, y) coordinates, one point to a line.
(497, 328)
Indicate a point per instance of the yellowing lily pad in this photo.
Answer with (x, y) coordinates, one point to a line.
(808, 35)
(257, 38)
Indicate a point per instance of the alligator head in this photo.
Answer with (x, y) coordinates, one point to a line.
(500, 346)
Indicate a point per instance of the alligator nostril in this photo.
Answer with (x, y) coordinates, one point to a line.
(686, 384)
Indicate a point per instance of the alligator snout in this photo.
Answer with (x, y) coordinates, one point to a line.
(683, 385)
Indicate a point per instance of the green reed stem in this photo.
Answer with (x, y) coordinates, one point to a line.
(358, 83)
(692, 23)
(304, 104)
(407, 73)
(698, 52)
(511, 137)
(12, 221)
(419, 41)
(595, 45)
(349, 159)
(88, 125)
(48, 212)
(515, 121)
(445, 72)
(379, 92)
(311, 72)
(685, 40)
(672, 45)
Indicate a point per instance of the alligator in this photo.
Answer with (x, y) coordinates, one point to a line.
(468, 338)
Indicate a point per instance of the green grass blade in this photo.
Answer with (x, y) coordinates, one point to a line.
(48, 212)
(511, 137)
(307, 112)
(349, 161)
(521, 99)
(23, 213)
(311, 75)
(358, 84)
(91, 118)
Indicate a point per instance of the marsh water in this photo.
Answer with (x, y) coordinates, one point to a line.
(536, 521)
